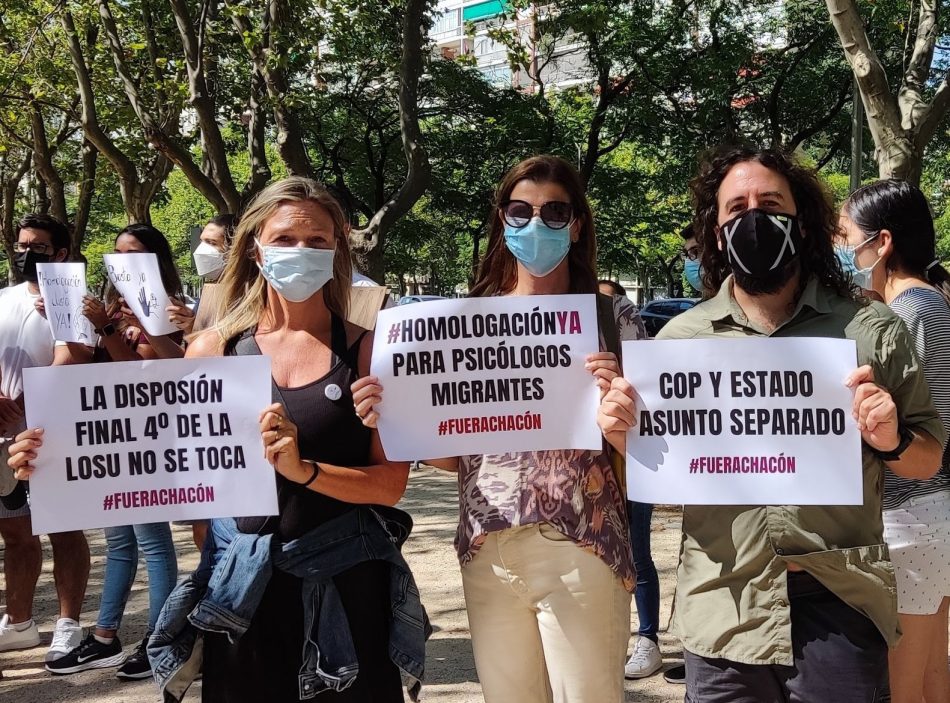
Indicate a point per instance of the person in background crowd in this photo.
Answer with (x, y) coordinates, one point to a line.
(211, 256)
(543, 538)
(645, 659)
(121, 338)
(26, 341)
(791, 603)
(607, 287)
(888, 246)
(332, 606)
(692, 253)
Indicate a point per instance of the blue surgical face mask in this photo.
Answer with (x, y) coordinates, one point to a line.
(538, 247)
(296, 273)
(846, 255)
(694, 273)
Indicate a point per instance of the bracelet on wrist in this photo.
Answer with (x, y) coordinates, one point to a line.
(313, 475)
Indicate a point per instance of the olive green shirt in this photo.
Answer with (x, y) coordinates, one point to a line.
(731, 595)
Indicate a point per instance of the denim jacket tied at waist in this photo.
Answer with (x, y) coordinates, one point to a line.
(223, 594)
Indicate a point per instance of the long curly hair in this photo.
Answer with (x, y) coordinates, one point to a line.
(498, 272)
(816, 215)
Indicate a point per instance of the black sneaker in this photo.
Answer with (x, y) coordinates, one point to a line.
(137, 665)
(675, 674)
(90, 654)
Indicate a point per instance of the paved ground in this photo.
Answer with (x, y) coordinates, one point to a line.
(431, 499)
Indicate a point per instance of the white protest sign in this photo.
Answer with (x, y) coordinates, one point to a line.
(63, 285)
(743, 422)
(139, 281)
(149, 441)
(487, 376)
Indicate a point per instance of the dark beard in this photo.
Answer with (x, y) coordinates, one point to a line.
(773, 283)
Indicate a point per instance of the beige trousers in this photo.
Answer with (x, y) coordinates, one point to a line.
(550, 621)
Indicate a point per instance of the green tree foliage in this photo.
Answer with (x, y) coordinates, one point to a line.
(175, 110)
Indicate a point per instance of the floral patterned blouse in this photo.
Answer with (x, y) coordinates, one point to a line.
(574, 491)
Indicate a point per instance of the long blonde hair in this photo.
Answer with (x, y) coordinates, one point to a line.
(244, 296)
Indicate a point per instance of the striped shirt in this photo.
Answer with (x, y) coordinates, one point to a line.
(927, 316)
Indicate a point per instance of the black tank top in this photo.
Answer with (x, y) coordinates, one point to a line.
(328, 430)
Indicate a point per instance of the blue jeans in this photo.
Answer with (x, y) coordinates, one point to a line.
(122, 560)
(647, 595)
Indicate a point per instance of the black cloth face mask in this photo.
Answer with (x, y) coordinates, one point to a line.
(759, 244)
(25, 263)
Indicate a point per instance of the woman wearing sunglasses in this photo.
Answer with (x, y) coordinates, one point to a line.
(542, 536)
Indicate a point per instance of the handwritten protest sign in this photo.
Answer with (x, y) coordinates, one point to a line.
(149, 441)
(743, 422)
(487, 376)
(63, 286)
(139, 281)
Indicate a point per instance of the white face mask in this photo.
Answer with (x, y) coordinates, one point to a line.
(296, 273)
(209, 262)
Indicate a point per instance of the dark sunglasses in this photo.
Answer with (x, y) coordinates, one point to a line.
(554, 214)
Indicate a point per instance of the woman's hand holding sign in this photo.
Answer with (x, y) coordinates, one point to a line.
(180, 315)
(367, 392)
(23, 453)
(280, 444)
(617, 413)
(605, 367)
(95, 311)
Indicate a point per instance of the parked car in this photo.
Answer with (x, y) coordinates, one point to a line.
(657, 313)
(406, 299)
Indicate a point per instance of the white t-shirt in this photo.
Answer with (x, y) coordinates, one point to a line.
(25, 338)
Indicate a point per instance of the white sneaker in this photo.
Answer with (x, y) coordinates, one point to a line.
(644, 661)
(66, 637)
(11, 638)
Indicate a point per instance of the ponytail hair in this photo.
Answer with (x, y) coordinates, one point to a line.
(902, 209)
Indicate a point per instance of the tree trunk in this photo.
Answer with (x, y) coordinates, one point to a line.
(902, 125)
(256, 140)
(155, 135)
(368, 244)
(11, 183)
(87, 188)
(43, 163)
(203, 102)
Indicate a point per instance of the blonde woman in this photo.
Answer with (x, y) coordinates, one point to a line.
(316, 599)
